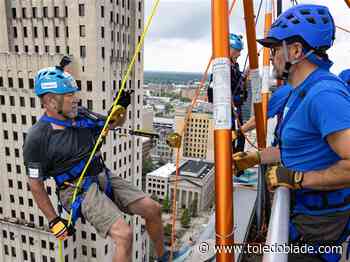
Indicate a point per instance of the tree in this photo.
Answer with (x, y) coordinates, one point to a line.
(194, 208)
(147, 166)
(168, 229)
(166, 204)
(185, 218)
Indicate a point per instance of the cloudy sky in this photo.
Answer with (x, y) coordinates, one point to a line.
(180, 35)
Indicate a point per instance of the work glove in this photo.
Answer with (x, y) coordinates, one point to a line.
(236, 134)
(245, 160)
(280, 176)
(60, 229)
(125, 98)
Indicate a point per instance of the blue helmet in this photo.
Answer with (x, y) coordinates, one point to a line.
(345, 76)
(54, 80)
(311, 24)
(236, 42)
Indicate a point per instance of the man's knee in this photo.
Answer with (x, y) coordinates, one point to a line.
(153, 208)
(121, 232)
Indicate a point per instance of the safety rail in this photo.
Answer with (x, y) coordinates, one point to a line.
(278, 231)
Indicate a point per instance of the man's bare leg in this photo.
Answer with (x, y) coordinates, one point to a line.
(121, 233)
(150, 210)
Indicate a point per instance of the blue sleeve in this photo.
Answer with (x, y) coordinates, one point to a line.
(329, 111)
(278, 101)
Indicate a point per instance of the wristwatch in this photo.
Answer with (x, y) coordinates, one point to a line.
(298, 179)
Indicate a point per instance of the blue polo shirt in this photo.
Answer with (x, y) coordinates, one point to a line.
(278, 100)
(325, 109)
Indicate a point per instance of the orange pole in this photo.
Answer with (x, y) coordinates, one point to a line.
(222, 132)
(266, 64)
(347, 2)
(254, 71)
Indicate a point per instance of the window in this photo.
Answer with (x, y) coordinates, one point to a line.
(17, 155)
(57, 31)
(82, 31)
(7, 151)
(102, 11)
(103, 52)
(93, 236)
(35, 32)
(52, 246)
(2, 100)
(30, 202)
(89, 86)
(20, 200)
(43, 244)
(67, 31)
(6, 135)
(89, 104)
(20, 83)
(45, 11)
(32, 102)
(84, 250)
(66, 11)
(47, 49)
(24, 13)
(12, 100)
(34, 12)
(10, 82)
(56, 11)
(16, 49)
(81, 10)
(46, 31)
(57, 49)
(4, 118)
(93, 252)
(31, 83)
(1, 81)
(14, 13)
(26, 49)
(102, 32)
(83, 234)
(36, 49)
(15, 32)
(13, 213)
(25, 31)
(82, 51)
(13, 251)
(14, 119)
(111, 17)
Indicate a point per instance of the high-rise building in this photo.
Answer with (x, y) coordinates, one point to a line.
(198, 141)
(101, 36)
(161, 151)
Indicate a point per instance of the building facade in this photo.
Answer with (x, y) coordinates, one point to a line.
(196, 183)
(161, 151)
(101, 36)
(198, 141)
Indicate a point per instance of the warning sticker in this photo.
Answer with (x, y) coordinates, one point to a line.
(222, 93)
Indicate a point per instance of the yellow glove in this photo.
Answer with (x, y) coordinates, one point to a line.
(280, 176)
(244, 160)
(60, 228)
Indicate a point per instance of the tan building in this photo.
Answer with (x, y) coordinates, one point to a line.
(198, 141)
(101, 36)
(196, 182)
(147, 118)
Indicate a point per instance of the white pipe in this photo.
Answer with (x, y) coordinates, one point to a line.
(278, 233)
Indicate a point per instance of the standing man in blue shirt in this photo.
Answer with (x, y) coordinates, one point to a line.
(314, 146)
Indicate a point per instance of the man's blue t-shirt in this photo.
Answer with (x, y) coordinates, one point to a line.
(325, 109)
(278, 100)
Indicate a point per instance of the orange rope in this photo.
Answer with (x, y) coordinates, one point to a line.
(188, 116)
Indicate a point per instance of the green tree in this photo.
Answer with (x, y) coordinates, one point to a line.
(147, 166)
(194, 208)
(185, 218)
(168, 229)
(166, 204)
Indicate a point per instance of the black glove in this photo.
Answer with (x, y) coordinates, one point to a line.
(59, 226)
(125, 98)
(280, 176)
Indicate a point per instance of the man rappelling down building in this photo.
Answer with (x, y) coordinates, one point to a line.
(58, 147)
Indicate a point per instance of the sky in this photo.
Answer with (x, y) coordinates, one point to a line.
(179, 38)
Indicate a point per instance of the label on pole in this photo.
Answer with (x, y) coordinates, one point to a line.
(222, 93)
(255, 81)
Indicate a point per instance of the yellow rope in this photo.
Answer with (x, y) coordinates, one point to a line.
(105, 128)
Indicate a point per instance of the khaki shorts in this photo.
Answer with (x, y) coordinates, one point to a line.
(99, 210)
